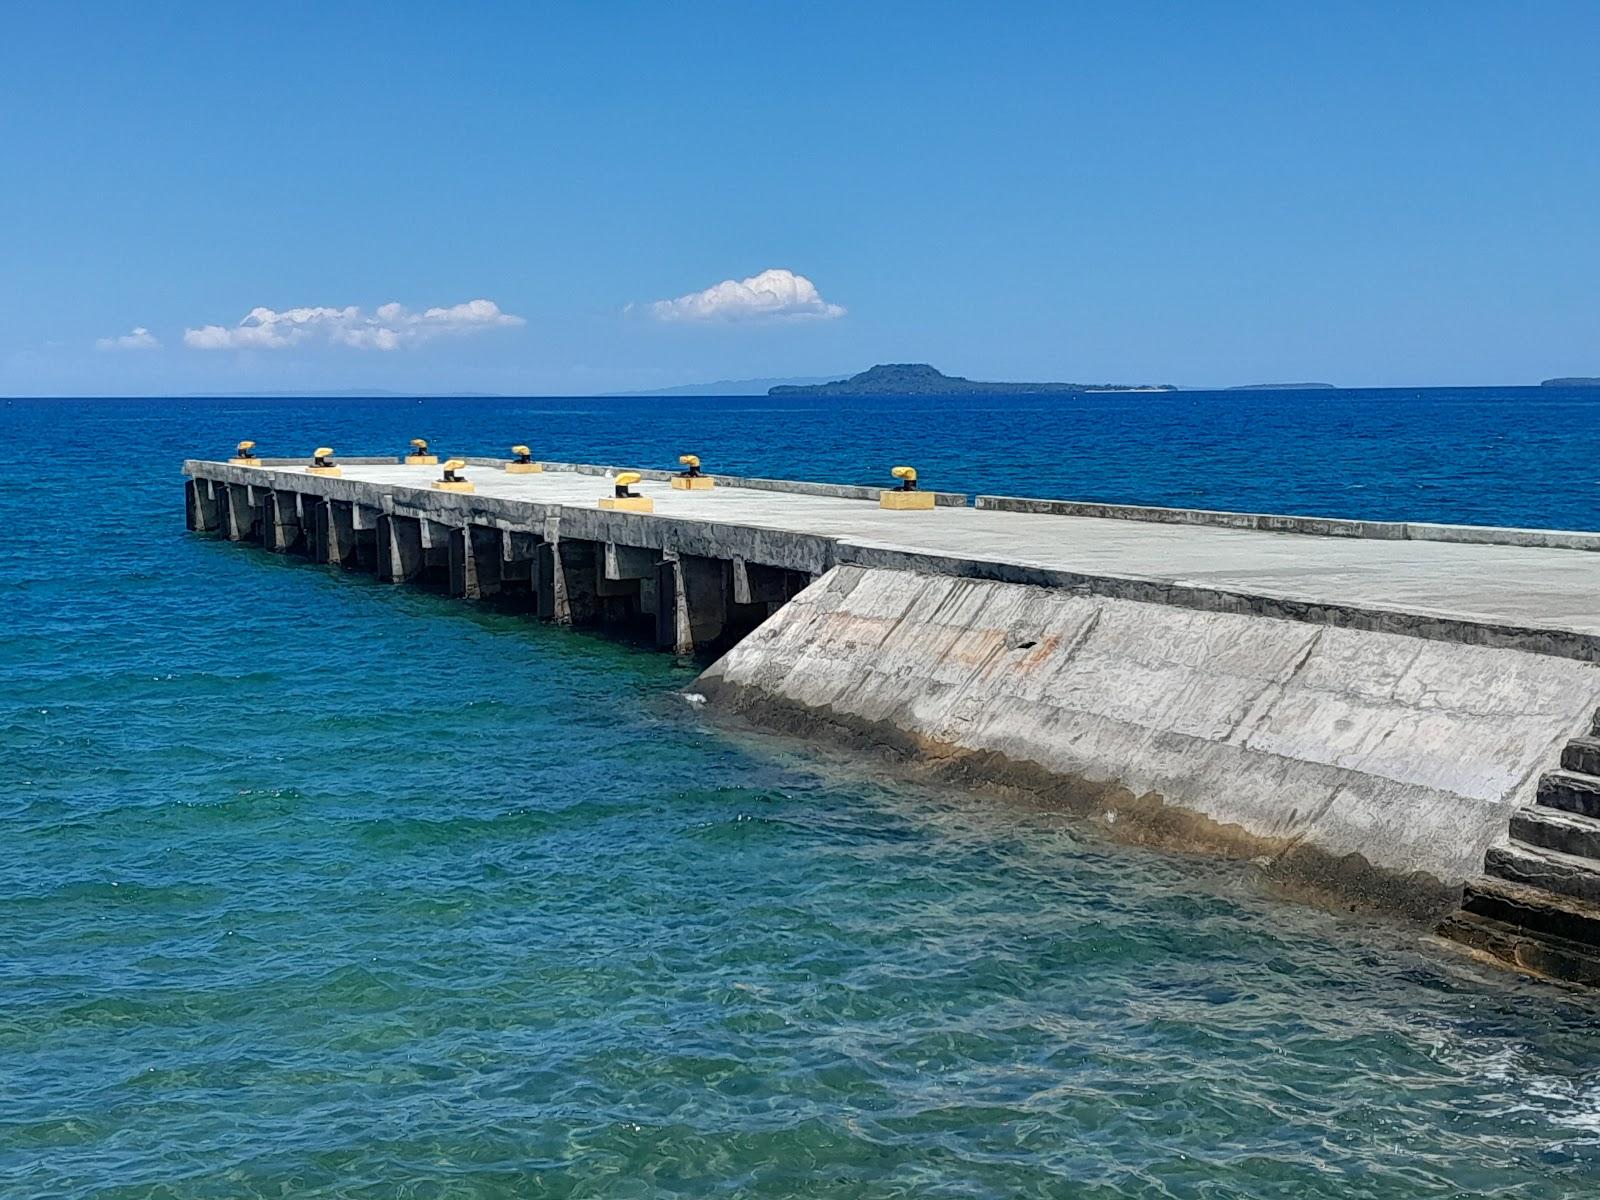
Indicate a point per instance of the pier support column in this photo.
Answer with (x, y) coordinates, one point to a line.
(691, 601)
(625, 563)
(341, 532)
(488, 553)
(315, 516)
(519, 551)
(463, 566)
(240, 519)
(280, 521)
(475, 552)
(628, 573)
(331, 536)
(756, 592)
(305, 511)
(200, 506)
(569, 573)
(399, 548)
(649, 596)
(551, 604)
(672, 608)
(756, 584)
(435, 547)
(625, 584)
(761, 590)
(549, 580)
(706, 584)
(363, 548)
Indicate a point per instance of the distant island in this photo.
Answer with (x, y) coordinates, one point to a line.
(919, 379)
(1283, 387)
(1573, 381)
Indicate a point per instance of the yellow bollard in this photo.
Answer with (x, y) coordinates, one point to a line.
(322, 462)
(626, 499)
(452, 482)
(419, 456)
(522, 463)
(244, 455)
(906, 496)
(690, 479)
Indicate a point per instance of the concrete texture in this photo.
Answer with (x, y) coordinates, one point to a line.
(1559, 539)
(1382, 766)
(1369, 710)
(795, 487)
(1487, 594)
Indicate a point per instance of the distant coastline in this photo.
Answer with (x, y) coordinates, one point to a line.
(728, 387)
(887, 380)
(1283, 387)
(920, 379)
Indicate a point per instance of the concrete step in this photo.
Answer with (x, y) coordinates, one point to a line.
(1545, 956)
(1582, 755)
(1534, 910)
(1571, 792)
(1553, 829)
(1548, 869)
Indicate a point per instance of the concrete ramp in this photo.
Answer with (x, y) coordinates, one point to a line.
(1379, 765)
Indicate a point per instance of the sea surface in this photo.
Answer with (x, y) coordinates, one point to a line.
(315, 887)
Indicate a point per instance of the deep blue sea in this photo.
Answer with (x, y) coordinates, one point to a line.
(315, 887)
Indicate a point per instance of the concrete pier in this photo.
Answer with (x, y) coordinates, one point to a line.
(538, 540)
(1370, 707)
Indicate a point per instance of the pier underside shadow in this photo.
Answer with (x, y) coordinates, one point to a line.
(685, 603)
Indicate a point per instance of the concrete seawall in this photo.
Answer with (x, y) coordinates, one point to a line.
(1388, 713)
(1379, 765)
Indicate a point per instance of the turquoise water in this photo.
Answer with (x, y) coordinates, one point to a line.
(314, 887)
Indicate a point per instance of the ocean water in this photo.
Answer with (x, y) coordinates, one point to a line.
(315, 887)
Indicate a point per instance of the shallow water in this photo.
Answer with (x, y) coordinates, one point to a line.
(314, 887)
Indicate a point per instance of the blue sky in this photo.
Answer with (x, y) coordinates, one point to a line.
(1368, 194)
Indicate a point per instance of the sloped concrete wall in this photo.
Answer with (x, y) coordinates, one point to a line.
(1378, 765)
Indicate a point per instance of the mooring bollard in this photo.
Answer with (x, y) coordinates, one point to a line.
(244, 455)
(690, 479)
(625, 498)
(322, 462)
(906, 496)
(419, 456)
(452, 481)
(522, 463)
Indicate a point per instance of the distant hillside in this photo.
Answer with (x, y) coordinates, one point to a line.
(1589, 381)
(919, 379)
(1283, 387)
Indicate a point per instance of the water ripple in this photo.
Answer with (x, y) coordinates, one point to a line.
(311, 887)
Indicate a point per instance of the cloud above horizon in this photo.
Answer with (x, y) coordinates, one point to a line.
(775, 294)
(139, 338)
(390, 327)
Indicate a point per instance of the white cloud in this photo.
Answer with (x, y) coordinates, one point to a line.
(139, 338)
(390, 327)
(774, 294)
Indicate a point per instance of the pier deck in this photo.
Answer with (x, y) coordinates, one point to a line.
(1495, 587)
